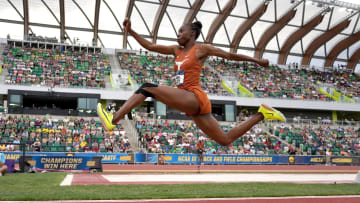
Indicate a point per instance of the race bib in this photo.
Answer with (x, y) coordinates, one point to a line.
(179, 77)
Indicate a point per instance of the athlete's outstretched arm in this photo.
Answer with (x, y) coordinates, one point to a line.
(148, 45)
(209, 50)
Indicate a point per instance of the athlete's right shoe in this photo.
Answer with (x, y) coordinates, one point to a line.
(105, 117)
(271, 113)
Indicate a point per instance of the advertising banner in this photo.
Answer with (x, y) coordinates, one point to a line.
(125, 158)
(345, 161)
(307, 160)
(225, 159)
(63, 163)
(146, 158)
(106, 157)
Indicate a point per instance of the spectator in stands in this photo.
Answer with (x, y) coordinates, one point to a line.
(189, 97)
(95, 146)
(102, 147)
(16, 143)
(3, 167)
(36, 146)
(200, 146)
(3, 146)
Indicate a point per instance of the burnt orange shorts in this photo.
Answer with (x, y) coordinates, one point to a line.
(204, 102)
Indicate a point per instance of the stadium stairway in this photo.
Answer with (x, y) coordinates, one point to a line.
(231, 82)
(131, 132)
(2, 47)
(2, 74)
(115, 70)
(115, 65)
(120, 77)
(265, 129)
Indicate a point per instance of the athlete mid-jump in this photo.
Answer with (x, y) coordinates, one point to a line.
(188, 96)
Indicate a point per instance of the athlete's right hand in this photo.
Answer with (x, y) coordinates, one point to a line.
(127, 25)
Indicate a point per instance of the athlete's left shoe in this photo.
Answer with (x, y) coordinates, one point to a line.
(105, 117)
(271, 113)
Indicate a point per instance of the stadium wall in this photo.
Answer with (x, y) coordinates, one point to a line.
(131, 158)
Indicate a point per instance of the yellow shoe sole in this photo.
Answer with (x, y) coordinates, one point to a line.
(271, 113)
(105, 119)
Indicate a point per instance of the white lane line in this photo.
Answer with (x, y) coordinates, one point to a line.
(67, 180)
(232, 178)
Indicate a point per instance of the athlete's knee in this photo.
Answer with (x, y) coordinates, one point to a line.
(142, 91)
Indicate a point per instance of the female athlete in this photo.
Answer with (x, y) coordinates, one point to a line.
(188, 96)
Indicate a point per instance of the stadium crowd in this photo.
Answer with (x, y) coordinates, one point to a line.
(160, 70)
(273, 81)
(48, 134)
(291, 83)
(31, 66)
(322, 140)
(166, 136)
(53, 67)
(169, 136)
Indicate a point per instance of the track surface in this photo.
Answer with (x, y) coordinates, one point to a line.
(125, 179)
(121, 170)
(127, 168)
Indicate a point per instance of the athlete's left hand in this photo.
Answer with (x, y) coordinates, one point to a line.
(264, 63)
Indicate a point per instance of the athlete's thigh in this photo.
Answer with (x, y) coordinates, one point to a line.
(180, 99)
(210, 126)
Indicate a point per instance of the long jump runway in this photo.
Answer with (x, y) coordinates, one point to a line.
(109, 179)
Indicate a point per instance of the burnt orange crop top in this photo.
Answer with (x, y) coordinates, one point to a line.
(187, 69)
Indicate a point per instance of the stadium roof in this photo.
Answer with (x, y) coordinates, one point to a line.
(310, 32)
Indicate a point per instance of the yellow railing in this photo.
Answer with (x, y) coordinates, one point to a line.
(111, 81)
(246, 92)
(130, 82)
(228, 88)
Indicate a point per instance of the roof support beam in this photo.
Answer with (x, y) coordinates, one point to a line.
(113, 14)
(354, 59)
(272, 31)
(116, 19)
(62, 20)
(296, 36)
(321, 40)
(128, 12)
(26, 19)
(87, 18)
(96, 22)
(190, 16)
(347, 42)
(246, 26)
(158, 18)
(17, 22)
(219, 20)
(65, 35)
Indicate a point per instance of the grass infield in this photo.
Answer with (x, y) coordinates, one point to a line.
(45, 186)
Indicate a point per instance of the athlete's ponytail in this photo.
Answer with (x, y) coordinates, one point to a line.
(196, 26)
